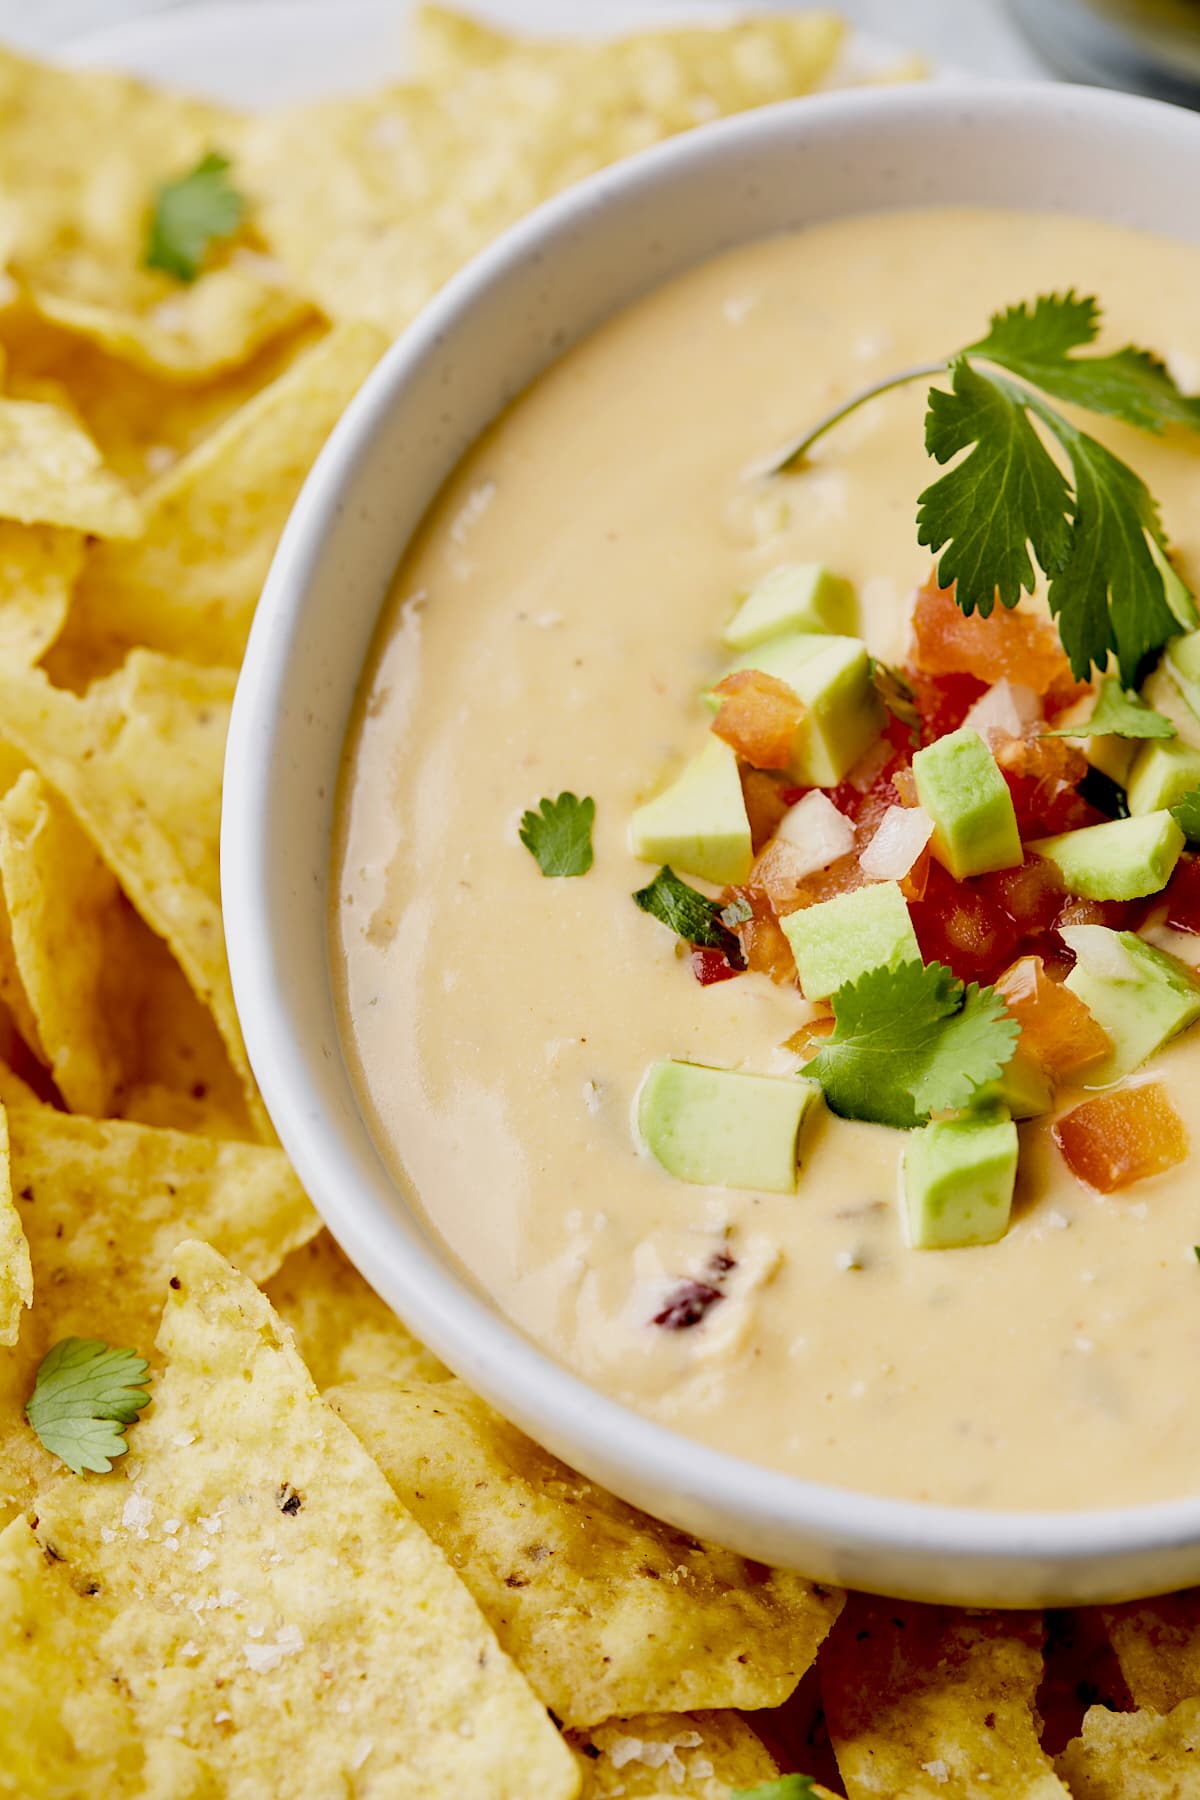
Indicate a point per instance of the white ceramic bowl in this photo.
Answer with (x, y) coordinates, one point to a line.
(489, 332)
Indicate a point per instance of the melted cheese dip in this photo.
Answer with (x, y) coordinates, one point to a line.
(551, 628)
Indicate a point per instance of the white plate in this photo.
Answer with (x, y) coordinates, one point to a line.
(277, 51)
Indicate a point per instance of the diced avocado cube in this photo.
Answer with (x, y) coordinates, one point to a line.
(843, 715)
(1120, 860)
(1180, 670)
(838, 940)
(1163, 771)
(1139, 994)
(723, 1128)
(1176, 591)
(699, 823)
(1024, 1090)
(958, 1177)
(966, 796)
(794, 597)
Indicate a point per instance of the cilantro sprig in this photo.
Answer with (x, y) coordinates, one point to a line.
(1186, 814)
(690, 914)
(559, 834)
(911, 1041)
(190, 214)
(84, 1395)
(1118, 712)
(1084, 518)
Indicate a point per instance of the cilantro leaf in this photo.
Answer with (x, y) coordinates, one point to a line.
(1118, 712)
(1007, 495)
(191, 213)
(897, 695)
(787, 1787)
(559, 836)
(1186, 814)
(84, 1394)
(689, 914)
(1109, 593)
(911, 1041)
(1129, 384)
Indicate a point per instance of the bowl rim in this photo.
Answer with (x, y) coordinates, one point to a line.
(440, 1304)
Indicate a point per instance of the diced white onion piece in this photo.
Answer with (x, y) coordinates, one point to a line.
(902, 834)
(1004, 711)
(817, 832)
(1100, 949)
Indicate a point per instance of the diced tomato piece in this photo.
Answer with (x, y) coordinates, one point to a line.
(764, 946)
(943, 701)
(758, 717)
(1017, 643)
(1183, 896)
(905, 784)
(1118, 915)
(1031, 895)
(711, 965)
(914, 884)
(812, 1034)
(1043, 776)
(767, 800)
(1122, 1137)
(773, 875)
(958, 923)
(1056, 1027)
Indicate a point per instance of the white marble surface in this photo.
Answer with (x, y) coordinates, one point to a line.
(973, 34)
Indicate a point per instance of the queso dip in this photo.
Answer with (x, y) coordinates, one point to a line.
(551, 629)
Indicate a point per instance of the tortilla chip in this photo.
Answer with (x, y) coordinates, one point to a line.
(926, 1701)
(63, 1745)
(16, 1270)
(697, 1756)
(608, 1612)
(1157, 1643)
(264, 1597)
(51, 473)
(96, 996)
(191, 583)
(1135, 1756)
(38, 569)
(86, 152)
(104, 1205)
(62, 903)
(141, 423)
(139, 761)
(373, 202)
(345, 1332)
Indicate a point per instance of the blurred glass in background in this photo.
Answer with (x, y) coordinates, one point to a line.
(1150, 45)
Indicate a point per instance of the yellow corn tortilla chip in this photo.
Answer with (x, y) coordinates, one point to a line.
(103, 1205)
(191, 583)
(373, 202)
(1157, 1643)
(81, 1741)
(96, 996)
(51, 473)
(16, 1270)
(925, 1701)
(141, 423)
(139, 760)
(63, 908)
(263, 1594)
(608, 1612)
(1135, 1756)
(38, 569)
(344, 1331)
(697, 1756)
(84, 153)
